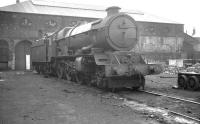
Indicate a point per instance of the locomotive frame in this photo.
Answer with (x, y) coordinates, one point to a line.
(98, 53)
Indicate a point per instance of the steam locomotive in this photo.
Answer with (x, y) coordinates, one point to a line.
(97, 53)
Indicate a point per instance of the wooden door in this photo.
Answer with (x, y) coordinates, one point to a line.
(4, 55)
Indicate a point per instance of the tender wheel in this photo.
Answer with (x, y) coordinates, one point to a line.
(79, 78)
(193, 83)
(43, 69)
(37, 69)
(59, 71)
(67, 75)
(182, 82)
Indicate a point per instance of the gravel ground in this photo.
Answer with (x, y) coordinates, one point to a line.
(164, 82)
(27, 98)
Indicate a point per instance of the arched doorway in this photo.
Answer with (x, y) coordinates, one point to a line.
(22, 55)
(4, 55)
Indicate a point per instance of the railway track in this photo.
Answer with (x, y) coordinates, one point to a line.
(168, 96)
(171, 112)
(176, 98)
(128, 96)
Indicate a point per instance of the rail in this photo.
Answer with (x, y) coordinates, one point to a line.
(172, 97)
(169, 111)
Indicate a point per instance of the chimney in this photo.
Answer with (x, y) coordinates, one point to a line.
(112, 10)
(17, 1)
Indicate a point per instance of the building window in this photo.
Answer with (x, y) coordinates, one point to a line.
(51, 24)
(25, 22)
(78, 22)
(150, 30)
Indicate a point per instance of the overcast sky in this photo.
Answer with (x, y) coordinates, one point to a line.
(182, 11)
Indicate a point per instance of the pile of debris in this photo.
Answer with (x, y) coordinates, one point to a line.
(173, 69)
(195, 68)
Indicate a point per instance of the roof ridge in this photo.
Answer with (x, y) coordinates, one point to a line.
(81, 6)
(66, 5)
(163, 18)
(50, 7)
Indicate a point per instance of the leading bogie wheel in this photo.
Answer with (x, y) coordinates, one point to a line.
(59, 71)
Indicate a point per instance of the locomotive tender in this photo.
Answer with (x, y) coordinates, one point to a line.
(97, 53)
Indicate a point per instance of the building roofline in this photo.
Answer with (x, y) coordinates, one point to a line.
(35, 7)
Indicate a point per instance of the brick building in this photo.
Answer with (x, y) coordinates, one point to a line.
(23, 23)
